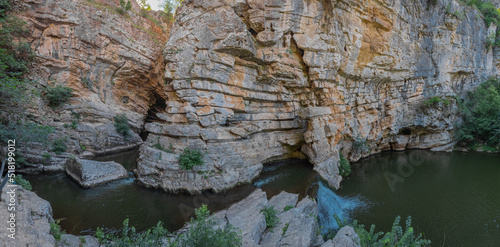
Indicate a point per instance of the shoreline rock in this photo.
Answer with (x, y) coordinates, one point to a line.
(90, 173)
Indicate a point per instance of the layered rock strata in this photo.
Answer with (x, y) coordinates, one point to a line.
(90, 173)
(250, 81)
(111, 61)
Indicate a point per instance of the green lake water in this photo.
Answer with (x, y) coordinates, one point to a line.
(454, 198)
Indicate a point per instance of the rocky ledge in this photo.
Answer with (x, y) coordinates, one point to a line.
(90, 173)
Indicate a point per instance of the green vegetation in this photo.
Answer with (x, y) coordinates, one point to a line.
(345, 166)
(203, 232)
(285, 228)
(23, 182)
(15, 57)
(480, 111)
(396, 237)
(121, 125)
(169, 6)
(360, 144)
(58, 95)
(287, 208)
(190, 158)
(55, 230)
(59, 145)
(271, 217)
(491, 15)
(434, 102)
(25, 132)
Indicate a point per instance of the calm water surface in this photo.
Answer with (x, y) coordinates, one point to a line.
(83, 210)
(454, 198)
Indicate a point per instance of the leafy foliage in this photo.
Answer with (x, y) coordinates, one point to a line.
(271, 217)
(25, 132)
(480, 111)
(360, 144)
(55, 230)
(169, 6)
(158, 146)
(23, 182)
(396, 237)
(287, 208)
(59, 145)
(204, 232)
(435, 101)
(58, 95)
(121, 125)
(345, 166)
(130, 237)
(190, 158)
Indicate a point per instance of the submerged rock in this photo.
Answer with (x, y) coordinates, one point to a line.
(90, 173)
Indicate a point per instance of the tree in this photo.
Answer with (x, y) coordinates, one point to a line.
(169, 6)
(144, 4)
(128, 6)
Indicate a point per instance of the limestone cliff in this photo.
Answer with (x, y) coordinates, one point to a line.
(112, 62)
(249, 81)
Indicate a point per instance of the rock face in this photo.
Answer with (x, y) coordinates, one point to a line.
(112, 63)
(297, 226)
(257, 80)
(33, 216)
(346, 237)
(90, 173)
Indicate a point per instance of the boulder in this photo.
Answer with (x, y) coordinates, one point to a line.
(90, 173)
(346, 237)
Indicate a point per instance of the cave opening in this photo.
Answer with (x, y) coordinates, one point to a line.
(157, 105)
(405, 131)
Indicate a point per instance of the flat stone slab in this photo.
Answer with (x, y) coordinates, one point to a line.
(90, 173)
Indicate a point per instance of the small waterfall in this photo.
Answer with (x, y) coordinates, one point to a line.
(329, 204)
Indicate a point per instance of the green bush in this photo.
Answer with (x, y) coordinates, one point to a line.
(204, 232)
(480, 111)
(58, 95)
(345, 166)
(55, 230)
(287, 208)
(190, 158)
(59, 145)
(360, 144)
(271, 216)
(25, 132)
(396, 237)
(121, 125)
(23, 182)
(130, 237)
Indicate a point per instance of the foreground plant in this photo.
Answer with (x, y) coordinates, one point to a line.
(396, 237)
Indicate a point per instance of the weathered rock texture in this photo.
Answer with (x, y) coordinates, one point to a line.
(297, 226)
(249, 81)
(33, 216)
(90, 173)
(111, 61)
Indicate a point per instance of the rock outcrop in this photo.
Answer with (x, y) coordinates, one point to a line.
(90, 173)
(32, 222)
(346, 237)
(112, 62)
(249, 81)
(297, 226)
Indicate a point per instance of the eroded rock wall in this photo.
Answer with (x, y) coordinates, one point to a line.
(256, 80)
(112, 62)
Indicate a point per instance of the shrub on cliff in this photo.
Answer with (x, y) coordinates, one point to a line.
(345, 166)
(59, 145)
(271, 217)
(23, 182)
(121, 125)
(480, 110)
(58, 95)
(190, 158)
